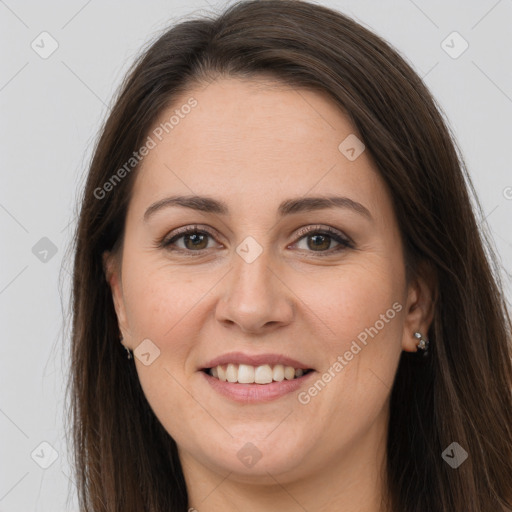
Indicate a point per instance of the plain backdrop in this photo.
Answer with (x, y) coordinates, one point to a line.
(51, 110)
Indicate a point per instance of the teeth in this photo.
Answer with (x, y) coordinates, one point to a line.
(221, 373)
(289, 372)
(278, 373)
(247, 374)
(231, 373)
(263, 374)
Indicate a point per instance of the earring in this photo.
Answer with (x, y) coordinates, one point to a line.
(422, 343)
(128, 353)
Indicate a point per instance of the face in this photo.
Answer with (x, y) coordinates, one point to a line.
(267, 281)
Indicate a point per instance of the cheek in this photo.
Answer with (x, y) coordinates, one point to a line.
(163, 306)
(160, 297)
(350, 300)
(361, 314)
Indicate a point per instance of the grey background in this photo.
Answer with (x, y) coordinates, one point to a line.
(51, 110)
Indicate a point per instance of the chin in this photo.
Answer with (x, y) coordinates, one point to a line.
(255, 461)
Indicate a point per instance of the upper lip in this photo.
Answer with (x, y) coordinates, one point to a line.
(255, 360)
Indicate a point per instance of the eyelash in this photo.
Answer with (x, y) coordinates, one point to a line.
(343, 241)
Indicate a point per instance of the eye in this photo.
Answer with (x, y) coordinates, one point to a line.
(319, 239)
(194, 239)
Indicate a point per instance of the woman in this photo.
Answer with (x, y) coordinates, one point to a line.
(282, 299)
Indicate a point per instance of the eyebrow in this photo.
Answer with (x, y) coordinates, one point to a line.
(288, 207)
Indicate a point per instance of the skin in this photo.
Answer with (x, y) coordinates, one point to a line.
(328, 454)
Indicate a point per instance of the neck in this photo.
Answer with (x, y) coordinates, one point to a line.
(352, 480)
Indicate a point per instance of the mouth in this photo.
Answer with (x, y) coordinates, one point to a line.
(262, 374)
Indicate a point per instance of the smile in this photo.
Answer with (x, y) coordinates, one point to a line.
(247, 374)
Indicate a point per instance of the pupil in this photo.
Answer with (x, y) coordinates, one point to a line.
(319, 241)
(196, 239)
(323, 239)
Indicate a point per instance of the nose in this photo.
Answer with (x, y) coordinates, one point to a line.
(255, 297)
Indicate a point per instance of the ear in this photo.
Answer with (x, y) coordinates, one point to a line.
(112, 270)
(420, 306)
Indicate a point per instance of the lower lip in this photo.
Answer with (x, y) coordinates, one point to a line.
(252, 393)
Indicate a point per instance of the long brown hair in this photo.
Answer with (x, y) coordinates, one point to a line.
(124, 459)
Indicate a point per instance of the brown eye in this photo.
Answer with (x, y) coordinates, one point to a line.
(320, 240)
(194, 240)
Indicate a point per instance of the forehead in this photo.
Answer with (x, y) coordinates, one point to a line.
(267, 120)
(252, 138)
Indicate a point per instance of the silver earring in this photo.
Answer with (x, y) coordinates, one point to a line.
(422, 343)
(128, 352)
